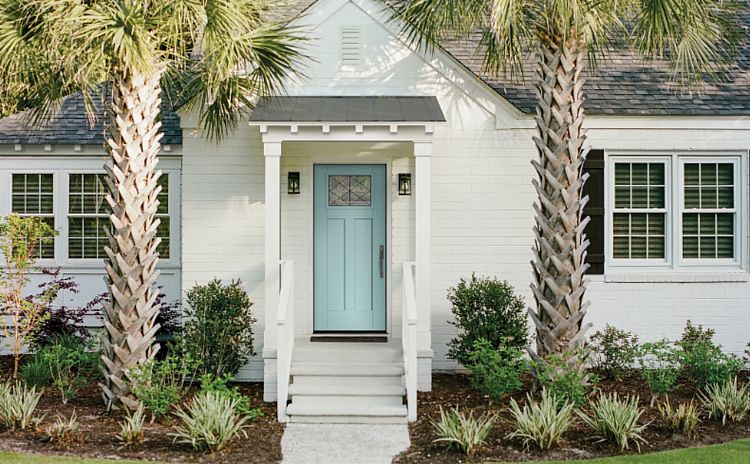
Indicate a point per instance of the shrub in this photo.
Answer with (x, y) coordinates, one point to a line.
(209, 422)
(70, 363)
(616, 420)
(614, 351)
(218, 327)
(17, 405)
(704, 363)
(220, 386)
(726, 400)
(131, 428)
(660, 366)
(683, 419)
(463, 432)
(159, 385)
(693, 334)
(496, 371)
(64, 429)
(564, 376)
(488, 309)
(36, 372)
(541, 423)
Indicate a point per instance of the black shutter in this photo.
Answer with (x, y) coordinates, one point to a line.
(594, 188)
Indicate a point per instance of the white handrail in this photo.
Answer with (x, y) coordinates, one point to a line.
(409, 338)
(284, 338)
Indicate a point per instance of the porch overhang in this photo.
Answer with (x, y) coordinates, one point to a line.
(335, 118)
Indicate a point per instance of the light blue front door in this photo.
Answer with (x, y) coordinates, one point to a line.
(350, 262)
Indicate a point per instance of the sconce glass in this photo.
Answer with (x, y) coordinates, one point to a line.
(293, 183)
(404, 184)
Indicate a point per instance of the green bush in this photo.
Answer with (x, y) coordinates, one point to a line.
(541, 423)
(565, 377)
(726, 400)
(616, 420)
(209, 422)
(220, 386)
(159, 385)
(496, 371)
(465, 433)
(682, 419)
(614, 351)
(485, 308)
(659, 366)
(703, 361)
(36, 372)
(218, 327)
(71, 364)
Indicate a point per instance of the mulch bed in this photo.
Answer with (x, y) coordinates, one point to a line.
(98, 433)
(454, 389)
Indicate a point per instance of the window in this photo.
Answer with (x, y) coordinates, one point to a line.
(708, 210)
(640, 212)
(33, 196)
(88, 214)
(162, 213)
(349, 190)
(674, 211)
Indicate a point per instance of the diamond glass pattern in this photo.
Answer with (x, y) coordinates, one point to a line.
(349, 190)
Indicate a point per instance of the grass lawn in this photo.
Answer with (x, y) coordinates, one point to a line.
(736, 452)
(17, 458)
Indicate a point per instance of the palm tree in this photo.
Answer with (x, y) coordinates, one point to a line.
(695, 37)
(215, 56)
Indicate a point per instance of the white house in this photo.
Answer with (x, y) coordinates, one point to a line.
(350, 206)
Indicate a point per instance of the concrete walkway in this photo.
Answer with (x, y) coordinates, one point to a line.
(343, 443)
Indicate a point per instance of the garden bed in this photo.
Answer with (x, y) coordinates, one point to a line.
(98, 432)
(455, 390)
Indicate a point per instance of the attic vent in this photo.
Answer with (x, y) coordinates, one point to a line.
(351, 46)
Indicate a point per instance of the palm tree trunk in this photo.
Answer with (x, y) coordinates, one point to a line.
(560, 243)
(130, 314)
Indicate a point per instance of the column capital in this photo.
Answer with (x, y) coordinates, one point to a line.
(422, 149)
(272, 149)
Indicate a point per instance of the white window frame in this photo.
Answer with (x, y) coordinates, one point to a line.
(61, 168)
(674, 200)
(667, 210)
(55, 198)
(67, 173)
(737, 211)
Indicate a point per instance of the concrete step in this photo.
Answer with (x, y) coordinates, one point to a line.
(330, 389)
(348, 380)
(344, 414)
(348, 352)
(347, 369)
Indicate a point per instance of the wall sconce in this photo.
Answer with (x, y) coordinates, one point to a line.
(404, 184)
(292, 183)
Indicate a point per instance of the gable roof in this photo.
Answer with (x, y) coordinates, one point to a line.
(69, 126)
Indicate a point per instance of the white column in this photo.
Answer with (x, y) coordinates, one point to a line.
(422, 181)
(272, 152)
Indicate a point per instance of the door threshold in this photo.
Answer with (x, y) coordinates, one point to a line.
(349, 338)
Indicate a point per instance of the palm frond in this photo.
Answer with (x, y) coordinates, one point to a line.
(425, 22)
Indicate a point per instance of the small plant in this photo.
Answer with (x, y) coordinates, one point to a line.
(17, 405)
(541, 423)
(726, 400)
(463, 432)
(693, 334)
(158, 385)
(131, 428)
(660, 367)
(36, 372)
(209, 422)
(496, 371)
(564, 376)
(70, 363)
(704, 363)
(218, 327)
(616, 420)
(220, 386)
(21, 239)
(488, 309)
(683, 419)
(64, 429)
(614, 351)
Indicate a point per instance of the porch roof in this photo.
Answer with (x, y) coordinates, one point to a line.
(351, 109)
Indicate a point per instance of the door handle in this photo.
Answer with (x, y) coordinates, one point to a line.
(382, 261)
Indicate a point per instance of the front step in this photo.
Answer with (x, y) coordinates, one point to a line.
(347, 383)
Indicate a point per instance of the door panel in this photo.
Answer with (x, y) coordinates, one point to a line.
(349, 228)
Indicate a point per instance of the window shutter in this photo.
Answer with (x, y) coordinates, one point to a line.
(594, 188)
